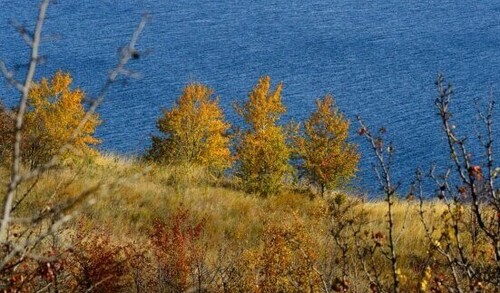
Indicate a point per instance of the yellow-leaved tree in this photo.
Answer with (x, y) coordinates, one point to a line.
(262, 151)
(55, 111)
(327, 158)
(194, 131)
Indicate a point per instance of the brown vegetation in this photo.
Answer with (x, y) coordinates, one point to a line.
(6, 134)
(156, 239)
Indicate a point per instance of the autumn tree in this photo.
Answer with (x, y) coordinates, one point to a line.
(6, 134)
(262, 150)
(326, 158)
(193, 131)
(55, 118)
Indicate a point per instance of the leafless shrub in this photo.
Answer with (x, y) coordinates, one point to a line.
(468, 243)
(463, 248)
(387, 248)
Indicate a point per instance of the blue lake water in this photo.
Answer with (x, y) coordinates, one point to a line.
(378, 58)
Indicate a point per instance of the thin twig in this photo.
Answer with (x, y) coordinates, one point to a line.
(15, 172)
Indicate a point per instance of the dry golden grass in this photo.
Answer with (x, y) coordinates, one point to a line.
(136, 193)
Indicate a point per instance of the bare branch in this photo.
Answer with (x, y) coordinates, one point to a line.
(382, 169)
(23, 32)
(15, 172)
(9, 76)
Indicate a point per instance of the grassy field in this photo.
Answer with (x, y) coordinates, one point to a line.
(204, 233)
(237, 231)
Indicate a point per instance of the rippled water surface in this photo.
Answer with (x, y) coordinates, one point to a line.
(378, 58)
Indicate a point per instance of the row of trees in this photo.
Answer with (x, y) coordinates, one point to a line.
(195, 132)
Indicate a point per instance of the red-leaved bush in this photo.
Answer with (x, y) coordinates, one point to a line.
(179, 251)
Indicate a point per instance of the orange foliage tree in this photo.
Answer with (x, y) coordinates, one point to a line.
(55, 113)
(262, 150)
(327, 159)
(193, 131)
